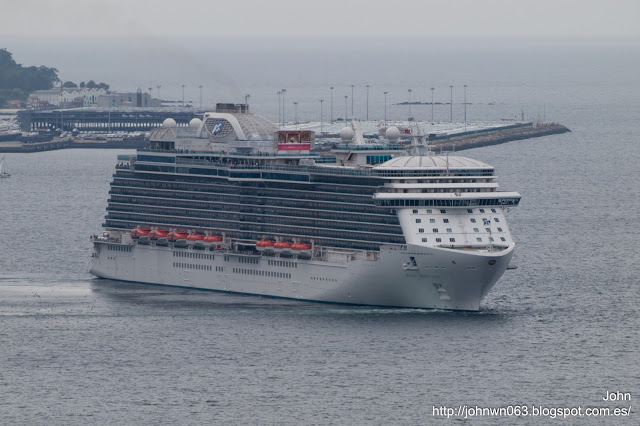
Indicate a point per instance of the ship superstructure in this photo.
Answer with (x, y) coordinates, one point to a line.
(233, 204)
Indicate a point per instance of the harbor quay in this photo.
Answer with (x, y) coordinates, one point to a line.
(103, 119)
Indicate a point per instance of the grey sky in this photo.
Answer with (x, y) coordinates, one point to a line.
(169, 18)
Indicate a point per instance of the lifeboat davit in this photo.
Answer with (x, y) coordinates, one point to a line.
(140, 231)
(265, 245)
(176, 235)
(282, 246)
(158, 233)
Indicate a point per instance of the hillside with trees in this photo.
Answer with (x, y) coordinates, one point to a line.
(17, 82)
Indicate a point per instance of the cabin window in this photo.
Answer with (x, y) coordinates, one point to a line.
(503, 239)
(469, 210)
(418, 220)
(421, 230)
(499, 229)
(415, 211)
(481, 210)
(443, 211)
(435, 230)
(449, 230)
(445, 220)
(476, 230)
(424, 240)
(438, 240)
(493, 210)
(432, 221)
(479, 239)
(473, 220)
(452, 240)
(428, 211)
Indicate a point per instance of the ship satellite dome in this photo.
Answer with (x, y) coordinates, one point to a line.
(346, 134)
(195, 123)
(169, 123)
(393, 133)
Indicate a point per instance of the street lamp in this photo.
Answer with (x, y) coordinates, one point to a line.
(246, 99)
(279, 110)
(283, 92)
(465, 107)
(367, 102)
(331, 115)
(385, 109)
(345, 108)
(200, 87)
(295, 104)
(352, 101)
(432, 89)
(321, 101)
(451, 103)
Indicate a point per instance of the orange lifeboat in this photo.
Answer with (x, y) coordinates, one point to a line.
(212, 239)
(194, 237)
(264, 245)
(140, 231)
(176, 235)
(282, 246)
(158, 233)
(301, 247)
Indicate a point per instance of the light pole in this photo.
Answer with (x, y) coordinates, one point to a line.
(295, 105)
(283, 92)
(183, 95)
(465, 107)
(279, 110)
(158, 87)
(200, 87)
(409, 90)
(432, 89)
(367, 102)
(321, 101)
(385, 109)
(331, 114)
(352, 101)
(246, 99)
(451, 103)
(345, 108)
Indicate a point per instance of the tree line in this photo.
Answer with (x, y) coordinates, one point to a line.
(17, 82)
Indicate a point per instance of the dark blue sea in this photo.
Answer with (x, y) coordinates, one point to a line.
(558, 333)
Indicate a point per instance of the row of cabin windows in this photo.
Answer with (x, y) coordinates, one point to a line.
(453, 240)
(192, 266)
(450, 230)
(319, 210)
(357, 225)
(283, 263)
(430, 211)
(118, 248)
(253, 260)
(193, 255)
(259, 272)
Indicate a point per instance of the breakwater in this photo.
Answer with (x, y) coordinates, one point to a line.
(497, 136)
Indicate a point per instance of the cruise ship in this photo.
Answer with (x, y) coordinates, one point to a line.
(231, 203)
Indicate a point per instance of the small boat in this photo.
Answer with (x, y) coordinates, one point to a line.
(140, 231)
(3, 174)
(174, 236)
(282, 247)
(158, 233)
(265, 245)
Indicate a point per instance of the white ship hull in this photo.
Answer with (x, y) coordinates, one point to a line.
(436, 278)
